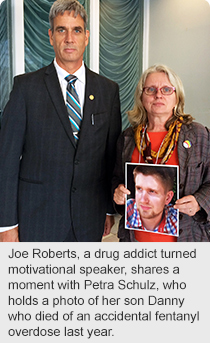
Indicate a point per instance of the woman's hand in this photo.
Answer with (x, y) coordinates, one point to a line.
(187, 205)
(120, 194)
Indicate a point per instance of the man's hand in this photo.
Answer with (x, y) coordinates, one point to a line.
(10, 235)
(109, 222)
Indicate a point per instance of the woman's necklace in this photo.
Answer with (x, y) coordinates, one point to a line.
(167, 145)
(141, 146)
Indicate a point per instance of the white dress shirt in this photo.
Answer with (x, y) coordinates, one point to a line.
(79, 84)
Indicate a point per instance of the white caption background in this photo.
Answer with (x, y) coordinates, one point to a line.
(104, 292)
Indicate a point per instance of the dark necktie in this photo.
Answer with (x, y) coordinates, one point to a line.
(73, 106)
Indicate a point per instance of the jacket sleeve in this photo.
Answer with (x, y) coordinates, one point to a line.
(202, 195)
(118, 174)
(194, 164)
(115, 126)
(125, 147)
(11, 145)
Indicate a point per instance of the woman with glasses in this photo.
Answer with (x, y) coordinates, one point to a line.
(161, 133)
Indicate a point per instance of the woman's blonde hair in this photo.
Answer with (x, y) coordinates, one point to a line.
(138, 115)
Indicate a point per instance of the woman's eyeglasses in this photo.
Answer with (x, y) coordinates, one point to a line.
(164, 90)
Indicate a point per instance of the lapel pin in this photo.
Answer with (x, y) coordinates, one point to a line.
(187, 144)
(91, 97)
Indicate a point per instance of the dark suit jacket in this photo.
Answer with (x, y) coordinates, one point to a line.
(194, 179)
(47, 184)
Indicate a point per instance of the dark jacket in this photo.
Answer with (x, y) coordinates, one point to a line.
(48, 185)
(194, 179)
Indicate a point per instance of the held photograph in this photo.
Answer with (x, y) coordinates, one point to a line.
(150, 205)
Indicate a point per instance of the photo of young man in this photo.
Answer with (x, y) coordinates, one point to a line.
(152, 207)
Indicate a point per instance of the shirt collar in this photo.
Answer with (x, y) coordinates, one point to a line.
(136, 220)
(137, 223)
(62, 73)
(168, 223)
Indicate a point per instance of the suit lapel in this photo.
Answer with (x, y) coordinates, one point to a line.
(53, 86)
(91, 92)
(90, 103)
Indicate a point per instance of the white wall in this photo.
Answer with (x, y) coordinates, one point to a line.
(180, 38)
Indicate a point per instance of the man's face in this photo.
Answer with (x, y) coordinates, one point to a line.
(69, 41)
(151, 196)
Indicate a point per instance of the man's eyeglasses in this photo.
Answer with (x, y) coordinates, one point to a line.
(164, 90)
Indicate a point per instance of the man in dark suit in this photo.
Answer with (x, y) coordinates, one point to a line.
(54, 187)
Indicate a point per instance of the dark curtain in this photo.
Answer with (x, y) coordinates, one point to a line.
(38, 51)
(121, 41)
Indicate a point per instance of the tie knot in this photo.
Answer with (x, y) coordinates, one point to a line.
(71, 78)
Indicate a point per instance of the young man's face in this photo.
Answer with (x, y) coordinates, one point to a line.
(151, 196)
(69, 41)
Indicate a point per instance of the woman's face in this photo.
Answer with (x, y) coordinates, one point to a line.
(158, 104)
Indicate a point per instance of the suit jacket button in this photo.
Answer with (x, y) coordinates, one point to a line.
(76, 162)
(73, 189)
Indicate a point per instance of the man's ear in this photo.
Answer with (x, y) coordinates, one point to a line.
(87, 36)
(50, 34)
(169, 197)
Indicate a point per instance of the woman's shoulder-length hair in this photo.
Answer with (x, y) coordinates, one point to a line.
(138, 114)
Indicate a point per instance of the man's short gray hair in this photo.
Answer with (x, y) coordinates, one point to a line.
(60, 6)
